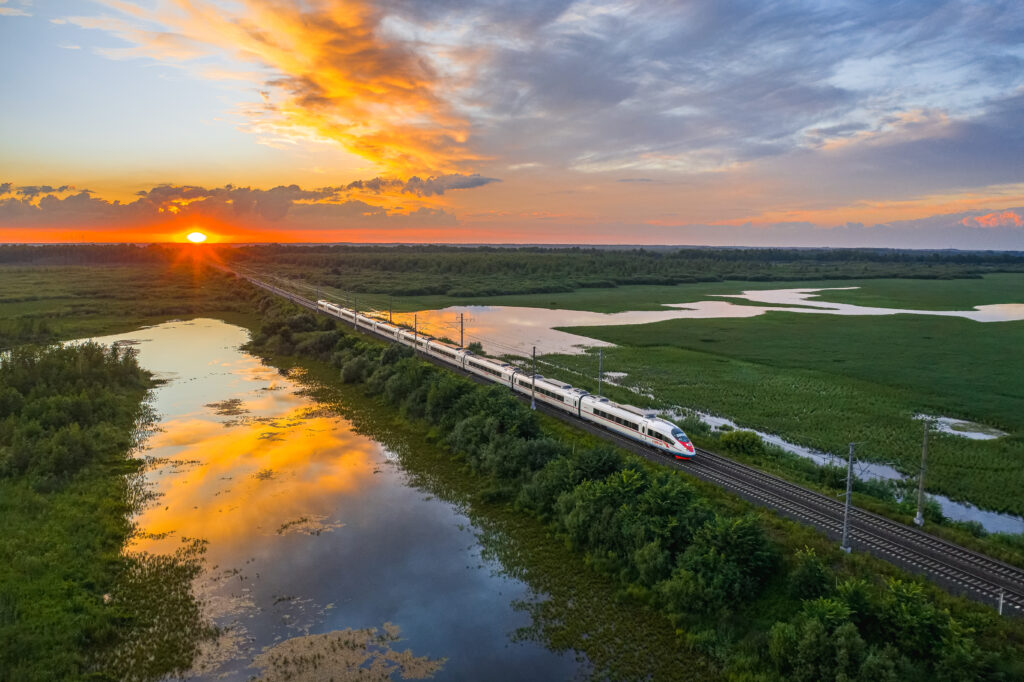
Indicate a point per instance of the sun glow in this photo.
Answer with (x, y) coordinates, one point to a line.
(196, 237)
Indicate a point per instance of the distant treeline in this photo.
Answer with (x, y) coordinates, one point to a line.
(488, 271)
(742, 589)
(84, 254)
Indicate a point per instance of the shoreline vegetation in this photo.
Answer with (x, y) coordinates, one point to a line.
(72, 604)
(760, 596)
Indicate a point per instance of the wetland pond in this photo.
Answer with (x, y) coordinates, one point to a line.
(509, 330)
(516, 330)
(318, 543)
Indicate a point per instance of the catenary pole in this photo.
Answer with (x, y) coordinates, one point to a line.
(600, 369)
(919, 519)
(533, 384)
(846, 510)
(415, 335)
(462, 331)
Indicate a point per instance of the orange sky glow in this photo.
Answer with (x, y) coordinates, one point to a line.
(354, 121)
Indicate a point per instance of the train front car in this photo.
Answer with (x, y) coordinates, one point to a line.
(669, 437)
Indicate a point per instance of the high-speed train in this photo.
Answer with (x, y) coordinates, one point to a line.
(640, 425)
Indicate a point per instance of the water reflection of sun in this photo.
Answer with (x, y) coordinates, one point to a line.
(227, 484)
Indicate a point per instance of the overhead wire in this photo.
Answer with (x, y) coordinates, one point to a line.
(517, 352)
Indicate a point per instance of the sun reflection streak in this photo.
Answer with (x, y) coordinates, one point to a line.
(223, 479)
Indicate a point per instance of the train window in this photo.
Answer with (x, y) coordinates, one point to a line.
(485, 368)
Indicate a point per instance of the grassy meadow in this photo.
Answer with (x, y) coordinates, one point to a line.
(824, 381)
(41, 304)
(937, 294)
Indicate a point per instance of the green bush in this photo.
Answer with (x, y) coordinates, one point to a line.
(742, 443)
(809, 578)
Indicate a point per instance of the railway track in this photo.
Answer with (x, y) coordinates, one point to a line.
(956, 568)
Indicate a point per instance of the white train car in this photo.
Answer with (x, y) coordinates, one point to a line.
(665, 435)
(640, 425)
(413, 340)
(329, 308)
(446, 353)
(643, 426)
(556, 393)
(498, 372)
(388, 330)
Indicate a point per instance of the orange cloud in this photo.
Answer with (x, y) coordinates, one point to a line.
(46, 213)
(335, 77)
(874, 212)
(1004, 219)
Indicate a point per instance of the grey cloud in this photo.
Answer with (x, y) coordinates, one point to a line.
(987, 150)
(441, 184)
(286, 204)
(33, 191)
(712, 82)
(934, 232)
(422, 187)
(271, 204)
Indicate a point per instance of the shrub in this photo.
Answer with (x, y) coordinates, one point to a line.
(742, 443)
(810, 577)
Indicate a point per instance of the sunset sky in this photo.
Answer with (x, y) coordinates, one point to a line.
(674, 122)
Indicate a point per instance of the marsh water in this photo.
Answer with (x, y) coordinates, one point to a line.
(516, 330)
(314, 530)
(507, 330)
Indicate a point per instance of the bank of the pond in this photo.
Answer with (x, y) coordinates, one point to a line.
(571, 608)
(72, 605)
(760, 596)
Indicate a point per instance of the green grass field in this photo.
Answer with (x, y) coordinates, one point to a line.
(960, 294)
(824, 381)
(40, 304)
(940, 294)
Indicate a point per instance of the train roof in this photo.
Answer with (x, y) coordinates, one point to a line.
(557, 384)
(646, 414)
(454, 349)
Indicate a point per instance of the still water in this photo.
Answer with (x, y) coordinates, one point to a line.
(314, 531)
(514, 330)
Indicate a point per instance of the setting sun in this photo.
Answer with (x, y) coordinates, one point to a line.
(196, 237)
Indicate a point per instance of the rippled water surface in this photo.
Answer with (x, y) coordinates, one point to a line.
(313, 530)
